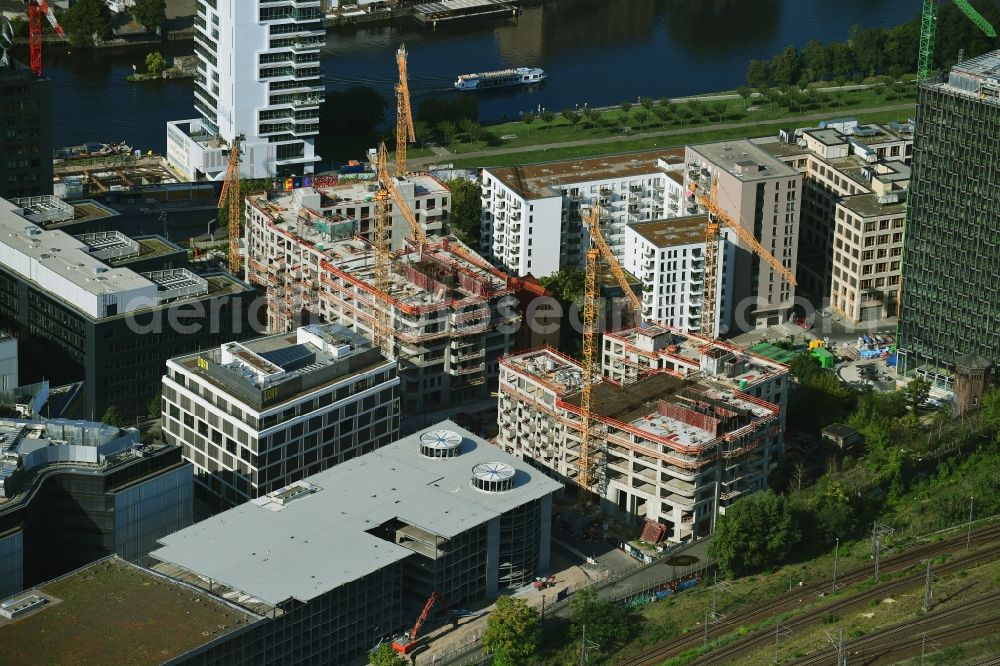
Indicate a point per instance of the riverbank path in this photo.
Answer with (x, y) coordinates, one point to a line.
(443, 153)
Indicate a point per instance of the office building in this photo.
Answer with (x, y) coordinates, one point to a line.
(851, 172)
(951, 254)
(695, 429)
(668, 257)
(531, 214)
(763, 195)
(451, 315)
(81, 313)
(72, 492)
(26, 140)
(258, 77)
(256, 416)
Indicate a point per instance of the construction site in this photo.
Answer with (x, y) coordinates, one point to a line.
(446, 319)
(673, 448)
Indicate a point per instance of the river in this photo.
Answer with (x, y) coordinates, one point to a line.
(598, 52)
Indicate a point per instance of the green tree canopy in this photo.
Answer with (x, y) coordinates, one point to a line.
(756, 531)
(566, 285)
(607, 624)
(384, 655)
(155, 62)
(112, 416)
(758, 73)
(466, 207)
(153, 408)
(917, 392)
(151, 14)
(512, 631)
(87, 21)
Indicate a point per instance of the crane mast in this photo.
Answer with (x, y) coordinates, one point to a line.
(928, 32)
(230, 198)
(404, 117)
(35, 10)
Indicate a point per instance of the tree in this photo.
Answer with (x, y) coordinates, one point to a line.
(471, 128)
(512, 632)
(785, 67)
(384, 655)
(155, 63)
(546, 117)
(87, 21)
(756, 531)
(567, 285)
(744, 92)
(151, 14)
(591, 115)
(665, 101)
(663, 113)
(641, 116)
(759, 73)
(421, 130)
(447, 130)
(607, 624)
(153, 408)
(718, 109)
(917, 392)
(625, 107)
(815, 60)
(991, 411)
(646, 103)
(527, 118)
(466, 206)
(571, 116)
(113, 417)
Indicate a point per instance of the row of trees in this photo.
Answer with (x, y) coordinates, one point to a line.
(876, 51)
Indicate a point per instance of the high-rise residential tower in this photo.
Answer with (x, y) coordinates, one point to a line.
(258, 76)
(951, 251)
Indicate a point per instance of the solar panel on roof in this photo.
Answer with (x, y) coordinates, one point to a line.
(292, 357)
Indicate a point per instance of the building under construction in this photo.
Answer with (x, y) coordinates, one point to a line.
(676, 447)
(451, 316)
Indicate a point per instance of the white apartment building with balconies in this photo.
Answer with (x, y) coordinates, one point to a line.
(531, 214)
(258, 76)
(668, 257)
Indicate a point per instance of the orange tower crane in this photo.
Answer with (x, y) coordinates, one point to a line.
(35, 10)
(599, 249)
(713, 228)
(404, 118)
(230, 197)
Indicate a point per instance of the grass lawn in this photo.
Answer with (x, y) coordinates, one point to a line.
(686, 115)
(695, 135)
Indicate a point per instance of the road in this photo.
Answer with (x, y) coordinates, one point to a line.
(610, 140)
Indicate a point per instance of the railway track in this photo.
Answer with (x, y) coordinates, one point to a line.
(791, 600)
(752, 642)
(893, 640)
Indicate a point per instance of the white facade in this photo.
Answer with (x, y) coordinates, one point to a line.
(669, 258)
(251, 425)
(258, 76)
(531, 215)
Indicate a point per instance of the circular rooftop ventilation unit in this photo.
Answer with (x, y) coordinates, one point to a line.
(440, 444)
(493, 477)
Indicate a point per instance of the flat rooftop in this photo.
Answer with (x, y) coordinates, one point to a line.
(535, 181)
(969, 75)
(744, 159)
(868, 205)
(113, 612)
(673, 231)
(316, 535)
(325, 353)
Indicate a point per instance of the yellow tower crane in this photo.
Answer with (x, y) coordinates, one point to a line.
(404, 118)
(230, 196)
(388, 192)
(709, 306)
(599, 249)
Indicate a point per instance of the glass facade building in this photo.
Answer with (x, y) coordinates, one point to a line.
(951, 258)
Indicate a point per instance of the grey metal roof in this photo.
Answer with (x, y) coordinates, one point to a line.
(320, 541)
